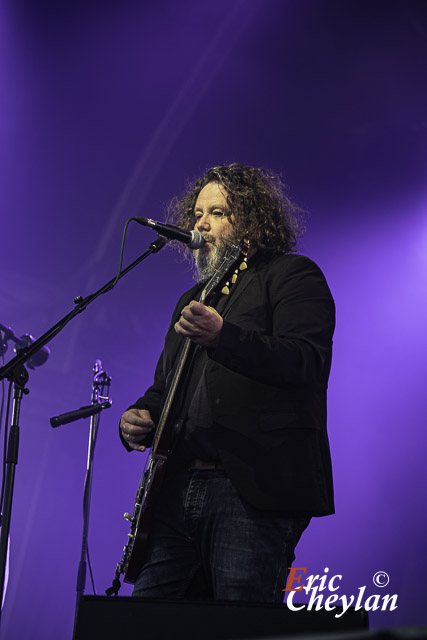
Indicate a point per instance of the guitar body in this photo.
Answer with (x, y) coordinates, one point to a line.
(145, 501)
(152, 478)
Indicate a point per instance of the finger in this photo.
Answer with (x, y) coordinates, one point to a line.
(198, 339)
(197, 308)
(132, 430)
(136, 421)
(188, 330)
(203, 319)
(197, 318)
(141, 413)
(188, 325)
(188, 314)
(136, 447)
(133, 437)
(133, 442)
(183, 332)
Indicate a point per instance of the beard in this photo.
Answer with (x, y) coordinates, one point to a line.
(207, 260)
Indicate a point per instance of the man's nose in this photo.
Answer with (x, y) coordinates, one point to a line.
(203, 223)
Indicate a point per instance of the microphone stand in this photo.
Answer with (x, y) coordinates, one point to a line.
(16, 372)
(100, 380)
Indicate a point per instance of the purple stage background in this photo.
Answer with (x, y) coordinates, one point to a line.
(106, 109)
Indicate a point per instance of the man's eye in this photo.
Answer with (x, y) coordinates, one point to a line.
(216, 212)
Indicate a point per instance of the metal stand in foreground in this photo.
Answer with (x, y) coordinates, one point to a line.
(16, 372)
(101, 382)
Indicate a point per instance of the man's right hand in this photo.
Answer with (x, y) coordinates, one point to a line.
(135, 425)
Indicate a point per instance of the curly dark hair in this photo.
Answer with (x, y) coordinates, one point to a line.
(262, 211)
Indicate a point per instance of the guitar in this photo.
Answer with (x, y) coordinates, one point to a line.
(154, 472)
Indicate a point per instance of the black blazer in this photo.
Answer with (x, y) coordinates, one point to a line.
(267, 382)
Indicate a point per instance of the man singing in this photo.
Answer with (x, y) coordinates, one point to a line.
(250, 464)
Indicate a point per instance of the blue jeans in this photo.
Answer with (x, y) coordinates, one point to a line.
(206, 542)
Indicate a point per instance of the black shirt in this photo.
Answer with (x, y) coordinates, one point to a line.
(195, 439)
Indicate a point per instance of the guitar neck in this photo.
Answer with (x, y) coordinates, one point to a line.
(171, 394)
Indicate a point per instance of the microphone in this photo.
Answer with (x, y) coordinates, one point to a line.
(38, 358)
(193, 239)
(83, 412)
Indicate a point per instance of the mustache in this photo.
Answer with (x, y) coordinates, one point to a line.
(208, 238)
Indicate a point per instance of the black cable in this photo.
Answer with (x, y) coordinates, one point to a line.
(2, 396)
(113, 284)
(6, 424)
(119, 271)
(90, 569)
(4, 448)
(155, 246)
